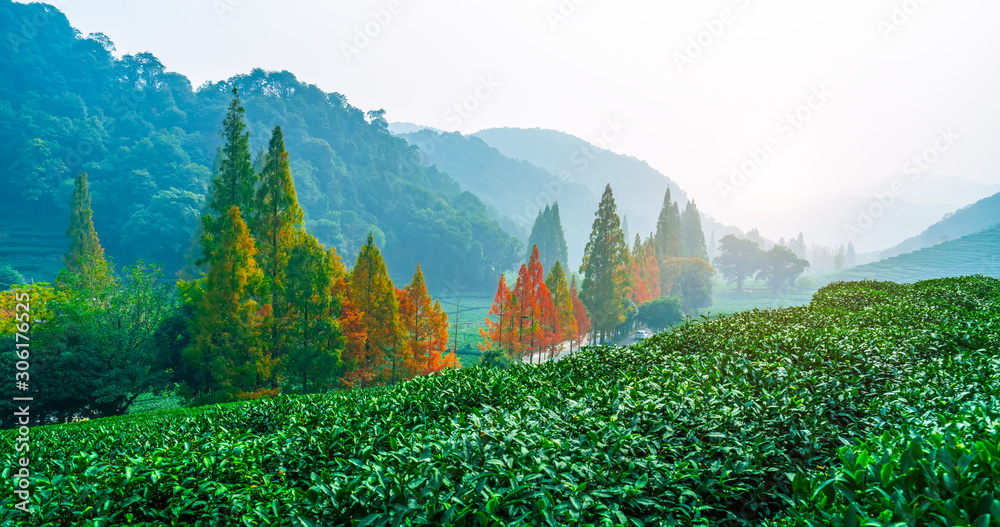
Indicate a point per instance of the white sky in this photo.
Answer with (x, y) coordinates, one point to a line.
(615, 59)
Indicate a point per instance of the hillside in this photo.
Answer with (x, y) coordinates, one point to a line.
(977, 253)
(797, 416)
(515, 188)
(968, 220)
(148, 142)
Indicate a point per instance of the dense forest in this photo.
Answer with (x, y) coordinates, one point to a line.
(149, 142)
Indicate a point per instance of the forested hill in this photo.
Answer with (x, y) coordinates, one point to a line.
(148, 142)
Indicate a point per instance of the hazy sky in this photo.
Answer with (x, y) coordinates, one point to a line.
(883, 77)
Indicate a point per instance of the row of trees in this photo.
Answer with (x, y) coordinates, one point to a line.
(616, 281)
(272, 309)
(741, 259)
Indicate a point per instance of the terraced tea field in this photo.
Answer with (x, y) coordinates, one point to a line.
(876, 404)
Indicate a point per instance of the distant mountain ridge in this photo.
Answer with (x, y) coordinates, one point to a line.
(637, 186)
(977, 253)
(518, 190)
(971, 219)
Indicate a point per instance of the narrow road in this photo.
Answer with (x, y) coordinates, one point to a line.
(564, 352)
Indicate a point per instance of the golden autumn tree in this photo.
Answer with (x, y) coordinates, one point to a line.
(499, 333)
(425, 327)
(562, 302)
(373, 294)
(650, 270)
(637, 292)
(226, 349)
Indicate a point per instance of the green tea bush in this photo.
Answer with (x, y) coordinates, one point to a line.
(799, 416)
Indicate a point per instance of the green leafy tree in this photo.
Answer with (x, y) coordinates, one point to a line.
(690, 279)
(780, 267)
(661, 313)
(226, 345)
(314, 337)
(693, 237)
(9, 277)
(738, 259)
(605, 269)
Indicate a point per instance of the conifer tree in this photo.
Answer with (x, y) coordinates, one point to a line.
(667, 238)
(693, 236)
(638, 292)
(312, 334)
(547, 234)
(85, 263)
(234, 183)
(562, 302)
(425, 327)
(579, 314)
(499, 333)
(277, 226)
(226, 348)
(650, 270)
(374, 296)
(604, 269)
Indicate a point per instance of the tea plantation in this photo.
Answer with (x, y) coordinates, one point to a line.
(877, 404)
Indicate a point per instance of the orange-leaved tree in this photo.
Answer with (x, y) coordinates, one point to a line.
(425, 328)
(226, 348)
(579, 314)
(499, 332)
(563, 303)
(374, 296)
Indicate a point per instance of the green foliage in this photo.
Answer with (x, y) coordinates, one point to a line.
(547, 235)
(738, 259)
(85, 258)
(692, 237)
(605, 268)
(735, 421)
(780, 267)
(9, 277)
(661, 313)
(497, 358)
(149, 143)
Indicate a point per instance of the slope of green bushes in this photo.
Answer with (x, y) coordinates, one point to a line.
(874, 405)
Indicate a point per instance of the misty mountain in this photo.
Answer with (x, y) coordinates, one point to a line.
(517, 189)
(982, 214)
(637, 186)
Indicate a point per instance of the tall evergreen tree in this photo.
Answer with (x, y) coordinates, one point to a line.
(374, 296)
(313, 334)
(85, 262)
(277, 224)
(604, 269)
(547, 234)
(667, 238)
(226, 348)
(693, 237)
(233, 184)
(579, 314)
